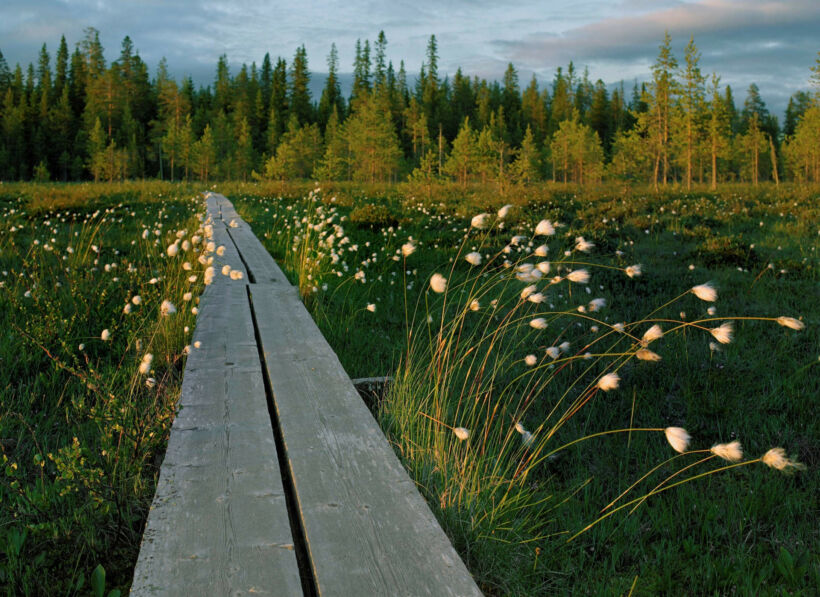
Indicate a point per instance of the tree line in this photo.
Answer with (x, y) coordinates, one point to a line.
(82, 118)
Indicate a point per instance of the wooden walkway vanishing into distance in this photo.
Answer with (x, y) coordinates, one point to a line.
(277, 479)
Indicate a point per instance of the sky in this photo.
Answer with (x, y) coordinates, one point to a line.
(769, 42)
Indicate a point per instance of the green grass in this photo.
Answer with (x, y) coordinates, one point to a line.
(748, 530)
(66, 507)
(81, 432)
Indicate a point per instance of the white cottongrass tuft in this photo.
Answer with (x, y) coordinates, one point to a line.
(461, 433)
(537, 298)
(127, 308)
(236, 274)
(539, 323)
(554, 352)
(541, 251)
(220, 250)
(609, 382)
(150, 382)
(579, 276)
(633, 270)
(544, 267)
(136, 299)
(583, 245)
(705, 292)
(678, 438)
(408, 249)
(502, 213)
(528, 291)
(530, 360)
(544, 228)
(371, 307)
(172, 250)
(597, 304)
(791, 322)
(480, 221)
(167, 308)
(105, 336)
(145, 365)
(226, 270)
(777, 459)
(473, 258)
(438, 283)
(723, 333)
(652, 334)
(475, 305)
(644, 354)
(731, 451)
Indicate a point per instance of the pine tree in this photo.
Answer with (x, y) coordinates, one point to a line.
(334, 163)
(222, 85)
(664, 88)
(527, 165)
(463, 159)
(691, 103)
(5, 75)
(599, 115)
(361, 72)
(380, 62)
(719, 128)
(372, 142)
(802, 151)
(534, 109)
(561, 107)
(511, 101)
(298, 154)
(331, 94)
(204, 154)
(299, 87)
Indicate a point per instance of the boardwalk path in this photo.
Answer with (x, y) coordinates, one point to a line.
(277, 479)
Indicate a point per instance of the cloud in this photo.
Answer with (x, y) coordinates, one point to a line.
(771, 43)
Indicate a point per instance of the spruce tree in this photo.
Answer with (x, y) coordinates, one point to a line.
(299, 103)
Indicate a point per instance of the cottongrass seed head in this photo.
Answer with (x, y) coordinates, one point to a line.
(644, 354)
(723, 333)
(461, 433)
(502, 213)
(480, 221)
(408, 249)
(732, 451)
(705, 292)
(777, 459)
(167, 308)
(544, 228)
(653, 333)
(609, 382)
(791, 322)
(633, 270)
(678, 438)
(539, 323)
(579, 276)
(473, 258)
(438, 283)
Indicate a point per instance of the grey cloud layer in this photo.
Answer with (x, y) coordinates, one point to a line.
(770, 42)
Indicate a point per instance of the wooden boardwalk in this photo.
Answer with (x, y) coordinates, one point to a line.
(277, 479)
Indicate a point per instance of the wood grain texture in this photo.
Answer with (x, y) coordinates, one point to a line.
(218, 524)
(368, 530)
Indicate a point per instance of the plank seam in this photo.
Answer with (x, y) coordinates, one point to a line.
(306, 572)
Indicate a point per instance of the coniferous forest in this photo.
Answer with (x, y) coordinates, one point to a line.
(79, 117)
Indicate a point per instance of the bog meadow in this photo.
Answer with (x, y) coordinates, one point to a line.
(593, 311)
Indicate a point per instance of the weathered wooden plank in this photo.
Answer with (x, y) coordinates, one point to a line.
(368, 530)
(218, 523)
